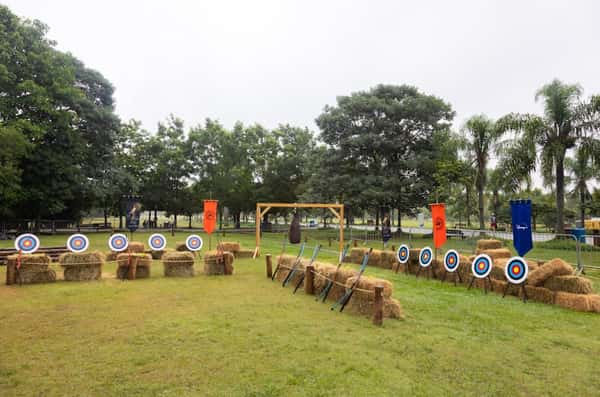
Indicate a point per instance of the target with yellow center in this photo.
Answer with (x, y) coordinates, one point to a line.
(516, 270)
(425, 257)
(157, 242)
(451, 261)
(77, 243)
(481, 266)
(118, 242)
(27, 243)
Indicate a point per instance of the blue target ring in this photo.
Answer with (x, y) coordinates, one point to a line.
(425, 257)
(27, 243)
(77, 243)
(516, 270)
(194, 242)
(451, 261)
(157, 242)
(481, 266)
(118, 242)
(403, 254)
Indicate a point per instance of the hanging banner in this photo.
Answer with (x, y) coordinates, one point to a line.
(438, 217)
(210, 215)
(521, 225)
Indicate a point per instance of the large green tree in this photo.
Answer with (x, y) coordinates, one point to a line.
(581, 171)
(568, 122)
(380, 145)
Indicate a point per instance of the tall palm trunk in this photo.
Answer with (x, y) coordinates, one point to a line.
(480, 198)
(560, 193)
(582, 205)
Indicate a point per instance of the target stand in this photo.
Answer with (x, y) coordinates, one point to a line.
(425, 259)
(516, 272)
(451, 263)
(481, 269)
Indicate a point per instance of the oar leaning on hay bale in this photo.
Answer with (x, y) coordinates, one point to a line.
(296, 262)
(329, 283)
(349, 292)
(279, 260)
(312, 259)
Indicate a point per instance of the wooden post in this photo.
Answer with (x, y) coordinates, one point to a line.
(309, 279)
(341, 228)
(394, 248)
(132, 268)
(355, 243)
(329, 239)
(378, 305)
(10, 272)
(269, 266)
(257, 250)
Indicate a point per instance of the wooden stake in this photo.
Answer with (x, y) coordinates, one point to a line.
(309, 278)
(378, 305)
(269, 266)
(132, 268)
(355, 243)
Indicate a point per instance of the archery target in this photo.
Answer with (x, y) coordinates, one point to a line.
(451, 261)
(516, 270)
(27, 243)
(78, 243)
(118, 242)
(194, 242)
(157, 242)
(425, 257)
(403, 253)
(481, 266)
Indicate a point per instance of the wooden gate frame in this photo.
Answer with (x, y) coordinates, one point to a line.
(263, 208)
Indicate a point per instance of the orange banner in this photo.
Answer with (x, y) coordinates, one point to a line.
(438, 217)
(210, 215)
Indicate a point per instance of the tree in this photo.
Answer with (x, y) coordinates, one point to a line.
(380, 145)
(567, 122)
(480, 135)
(581, 171)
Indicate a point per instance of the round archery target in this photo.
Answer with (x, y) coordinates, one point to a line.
(27, 243)
(157, 242)
(193, 242)
(516, 270)
(481, 266)
(77, 243)
(118, 242)
(451, 261)
(403, 253)
(425, 257)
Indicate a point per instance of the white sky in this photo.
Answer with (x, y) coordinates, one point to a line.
(277, 62)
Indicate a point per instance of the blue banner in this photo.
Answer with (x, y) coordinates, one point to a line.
(521, 225)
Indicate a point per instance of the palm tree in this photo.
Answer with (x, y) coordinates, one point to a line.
(480, 136)
(581, 171)
(567, 122)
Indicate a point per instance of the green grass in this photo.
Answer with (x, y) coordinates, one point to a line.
(246, 336)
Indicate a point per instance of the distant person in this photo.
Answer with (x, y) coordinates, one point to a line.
(386, 231)
(493, 222)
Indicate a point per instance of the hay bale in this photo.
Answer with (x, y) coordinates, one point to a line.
(555, 267)
(136, 247)
(111, 256)
(230, 246)
(374, 258)
(218, 263)
(488, 244)
(577, 302)
(178, 264)
(392, 309)
(357, 254)
(244, 253)
(573, 284)
(388, 259)
(594, 301)
(181, 247)
(498, 285)
(498, 253)
(340, 277)
(537, 294)
(34, 269)
(368, 283)
(84, 266)
(157, 255)
(143, 264)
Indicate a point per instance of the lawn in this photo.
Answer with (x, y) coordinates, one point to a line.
(246, 336)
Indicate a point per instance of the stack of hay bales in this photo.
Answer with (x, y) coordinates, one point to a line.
(181, 247)
(244, 253)
(178, 264)
(157, 255)
(378, 258)
(142, 261)
(363, 298)
(135, 247)
(34, 269)
(236, 249)
(218, 263)
(82, 266)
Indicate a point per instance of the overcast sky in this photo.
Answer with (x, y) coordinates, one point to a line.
(282, 61)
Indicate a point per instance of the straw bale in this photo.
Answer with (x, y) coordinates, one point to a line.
(230, 246)
(497, 253)
(369, 283)
(340, 277)
(374, 258)
(537, 294)
(143, 264)
(82, 266)
(136, 247)
(244, 253)
(388, 259)
(34, 269)
(499, 285)
(178, 264)
(357, 254)
(573, 284)
(218, 263)
(594, 301)
(488, 244)
(555, 267)
(577, 302)
(111, 256)
(156, 255)
(359, 303)
(392, 308)
(181, 247)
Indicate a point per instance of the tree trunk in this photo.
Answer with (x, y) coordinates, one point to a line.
(189, 221)
(238, 220)
(480, 198)
(155, 219)
(582, 206)
(377, 219)
(175, 219)
(560, 194)
(399, 221)
(468, 205)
